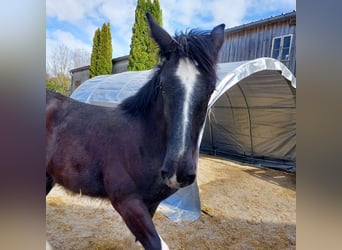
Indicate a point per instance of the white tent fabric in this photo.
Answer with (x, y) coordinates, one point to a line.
(110, 90)
(246, 79)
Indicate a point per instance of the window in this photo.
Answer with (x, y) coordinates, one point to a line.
(281, 47)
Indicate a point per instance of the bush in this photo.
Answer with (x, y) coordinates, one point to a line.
(59, 84)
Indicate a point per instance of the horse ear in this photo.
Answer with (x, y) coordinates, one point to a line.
(162, 38)
(217, 36)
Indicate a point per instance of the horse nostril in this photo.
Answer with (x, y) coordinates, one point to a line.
(164, 174)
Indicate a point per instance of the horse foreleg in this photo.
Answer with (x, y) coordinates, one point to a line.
(138, 219)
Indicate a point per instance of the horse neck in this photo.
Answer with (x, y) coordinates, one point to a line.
(145, 110)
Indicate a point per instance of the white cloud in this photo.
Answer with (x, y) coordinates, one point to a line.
(121, 14)
(230, 14)
(78, 14)
(188, 13)
(60, 37)
(262, 6)
(71, 10)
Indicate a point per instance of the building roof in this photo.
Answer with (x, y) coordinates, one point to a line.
(79, 69)
(272, 19)
(121, 58)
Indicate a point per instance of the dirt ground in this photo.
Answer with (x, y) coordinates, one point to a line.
(242, 208)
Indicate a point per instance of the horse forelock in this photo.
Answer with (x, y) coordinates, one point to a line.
(198, 47)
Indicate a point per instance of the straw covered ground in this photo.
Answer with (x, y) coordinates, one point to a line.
(243, 207)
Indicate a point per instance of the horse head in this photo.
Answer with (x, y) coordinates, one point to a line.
(186, 81)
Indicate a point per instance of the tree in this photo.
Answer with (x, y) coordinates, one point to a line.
(143, 53)
(93, 69)
(63, 59)
(59, 65)
(81, 57)
(105, 65)
(60, 60)
(59, 83)
(101, 55)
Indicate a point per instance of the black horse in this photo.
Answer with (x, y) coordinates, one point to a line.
(142, 151)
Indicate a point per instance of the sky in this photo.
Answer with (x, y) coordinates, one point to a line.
(73, 22)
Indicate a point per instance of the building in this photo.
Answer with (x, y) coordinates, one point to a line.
(272, 37)
(78, 76)
(120, 64)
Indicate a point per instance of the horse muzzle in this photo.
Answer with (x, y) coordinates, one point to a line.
(178, 174)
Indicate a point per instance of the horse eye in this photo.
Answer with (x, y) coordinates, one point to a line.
(161, 88)
(160, 85)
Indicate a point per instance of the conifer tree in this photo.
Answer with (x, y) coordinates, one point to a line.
(143, 54)
(105, 53)
(95, 54)
(157, 15)
(101, 56)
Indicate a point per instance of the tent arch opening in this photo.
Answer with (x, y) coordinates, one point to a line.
(254, 120)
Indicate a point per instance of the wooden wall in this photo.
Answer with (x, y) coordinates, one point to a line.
(247, 43)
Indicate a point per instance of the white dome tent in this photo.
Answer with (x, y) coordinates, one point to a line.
(251, 118)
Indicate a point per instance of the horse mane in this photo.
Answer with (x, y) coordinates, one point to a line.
(195, 45)
(140, 103)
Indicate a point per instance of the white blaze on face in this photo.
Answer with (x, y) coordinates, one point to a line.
(187, 73)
